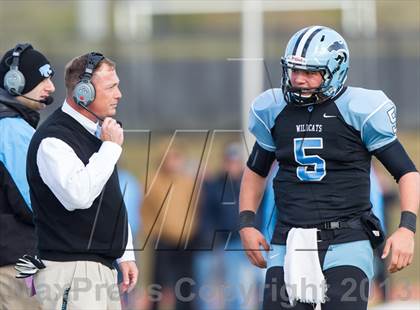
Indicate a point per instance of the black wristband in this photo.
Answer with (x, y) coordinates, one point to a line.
(246, 219)
(408, 220)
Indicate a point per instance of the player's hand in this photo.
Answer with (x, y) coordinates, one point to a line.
(112, 131)
(401, 245)
(252, 240)
(130, 274)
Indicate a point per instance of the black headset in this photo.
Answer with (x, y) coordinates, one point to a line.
(84, 91)
(14, 80)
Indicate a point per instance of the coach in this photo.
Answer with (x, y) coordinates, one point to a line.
(79, 213)
(25, 89)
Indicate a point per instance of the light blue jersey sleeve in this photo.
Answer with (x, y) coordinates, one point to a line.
(264, 111)
(15, 135)
(268, 208)
(372, 113)
(380, 127)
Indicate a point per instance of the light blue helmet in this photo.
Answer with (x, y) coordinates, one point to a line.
(315, 48)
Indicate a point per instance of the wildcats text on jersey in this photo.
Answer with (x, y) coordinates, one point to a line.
(309, 128)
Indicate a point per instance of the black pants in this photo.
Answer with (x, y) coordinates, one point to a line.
(348, 289)
(348, 286)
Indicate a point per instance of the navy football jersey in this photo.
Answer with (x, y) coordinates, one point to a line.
(323, 152)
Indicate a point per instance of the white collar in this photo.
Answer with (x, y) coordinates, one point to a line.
(83, 120)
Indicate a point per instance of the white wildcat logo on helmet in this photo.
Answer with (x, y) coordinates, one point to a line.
(46, 70)
(315, 48)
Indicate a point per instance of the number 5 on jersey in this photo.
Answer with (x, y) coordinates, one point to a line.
(318, 165)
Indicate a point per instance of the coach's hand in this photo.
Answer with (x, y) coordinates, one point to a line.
(112, 131)
(252, 239)
(130, 274)
(401, 245)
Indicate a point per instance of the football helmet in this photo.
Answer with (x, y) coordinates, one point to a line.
(315, 48)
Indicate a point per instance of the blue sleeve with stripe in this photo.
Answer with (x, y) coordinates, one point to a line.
(15, 137)
(380, 127)
(264, 111)
(370, 112)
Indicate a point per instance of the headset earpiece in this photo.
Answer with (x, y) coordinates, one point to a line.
(14, 80)
(84, 92)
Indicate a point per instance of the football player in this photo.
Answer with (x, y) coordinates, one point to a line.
(322, 135)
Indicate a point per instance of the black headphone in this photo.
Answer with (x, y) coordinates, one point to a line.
(14, 80)
(84, 91)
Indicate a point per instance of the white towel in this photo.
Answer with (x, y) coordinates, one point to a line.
(303, 275)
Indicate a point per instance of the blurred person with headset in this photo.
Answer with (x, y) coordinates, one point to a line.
(79, 212)
(25, 89)
(323, 135)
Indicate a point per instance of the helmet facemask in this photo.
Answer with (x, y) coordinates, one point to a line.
(304, 96)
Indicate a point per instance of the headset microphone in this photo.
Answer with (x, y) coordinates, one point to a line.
(100, 119)
(47, 101)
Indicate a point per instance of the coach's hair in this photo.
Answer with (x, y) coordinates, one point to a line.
(76, 67)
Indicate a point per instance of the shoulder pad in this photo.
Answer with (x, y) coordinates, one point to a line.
(371, 113)
(263, 113)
